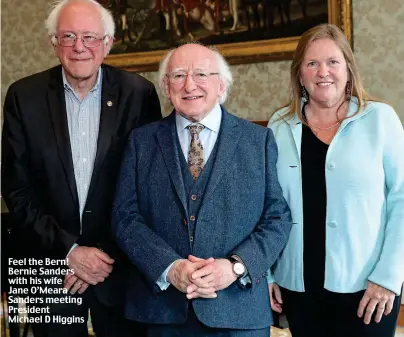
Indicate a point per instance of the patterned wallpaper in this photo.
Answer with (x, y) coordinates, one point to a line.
(257, 91)
(379, 48)
(259, 88)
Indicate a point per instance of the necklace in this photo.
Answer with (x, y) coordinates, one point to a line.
(323, 129)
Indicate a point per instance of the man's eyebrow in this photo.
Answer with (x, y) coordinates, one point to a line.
(185, 70)
(76, 33)
(177, 69)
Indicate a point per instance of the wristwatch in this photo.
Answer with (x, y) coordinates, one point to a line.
(238, 267)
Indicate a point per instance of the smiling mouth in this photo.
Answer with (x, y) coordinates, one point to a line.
(191, 98)
(324, 84)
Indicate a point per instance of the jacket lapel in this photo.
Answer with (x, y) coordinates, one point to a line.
(229, 136)
(109, 110)
(166, 137)
(296, 129)
(57, 111)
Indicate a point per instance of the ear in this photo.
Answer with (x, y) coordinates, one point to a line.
(54, 43)
(108, 42)
(166, 87)
(222, 88)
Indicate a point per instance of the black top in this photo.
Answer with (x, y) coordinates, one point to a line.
(313, 155)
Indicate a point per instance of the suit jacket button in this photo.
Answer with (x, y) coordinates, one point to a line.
(193, 197)
(192, 218)
(332, 224)
(191, 239)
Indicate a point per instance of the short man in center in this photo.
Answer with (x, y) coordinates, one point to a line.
(199, 210)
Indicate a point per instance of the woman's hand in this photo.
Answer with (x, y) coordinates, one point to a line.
(375, 297)
(275, 296)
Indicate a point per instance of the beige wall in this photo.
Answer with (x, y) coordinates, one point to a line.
(260, 88)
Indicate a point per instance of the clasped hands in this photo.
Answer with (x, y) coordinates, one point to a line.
(201, 278)
(90, 265)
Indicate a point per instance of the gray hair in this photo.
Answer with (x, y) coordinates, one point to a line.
(53, 17)
(222, 68)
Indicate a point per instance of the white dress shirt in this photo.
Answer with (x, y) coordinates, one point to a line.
(207, 136)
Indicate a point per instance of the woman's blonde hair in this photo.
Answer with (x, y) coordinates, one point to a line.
(323, 31)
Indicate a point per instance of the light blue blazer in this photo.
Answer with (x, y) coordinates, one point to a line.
(365, 201)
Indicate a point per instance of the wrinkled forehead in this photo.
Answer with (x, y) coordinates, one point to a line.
(192, 59)
(80, 17)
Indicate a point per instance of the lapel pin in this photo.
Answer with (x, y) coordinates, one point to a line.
(109, 103)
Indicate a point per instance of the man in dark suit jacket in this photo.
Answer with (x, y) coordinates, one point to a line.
(199, 210)
(63, 138)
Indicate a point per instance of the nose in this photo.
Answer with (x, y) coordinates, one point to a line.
(79, 46)
(323, 70)
(189, 83)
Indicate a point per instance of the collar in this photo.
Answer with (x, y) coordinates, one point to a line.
(94, 89)
(211, 121)
(353, 106)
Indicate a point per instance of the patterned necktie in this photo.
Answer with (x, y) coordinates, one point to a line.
(195, 154)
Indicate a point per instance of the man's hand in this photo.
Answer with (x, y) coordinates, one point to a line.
(90, 264)
(180, 273)
(375, 296)
(74, 284)
(217, 275)
(275, 297)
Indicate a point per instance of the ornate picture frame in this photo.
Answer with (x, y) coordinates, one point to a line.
(339, 13)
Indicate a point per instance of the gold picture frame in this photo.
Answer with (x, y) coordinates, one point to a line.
(339, 13)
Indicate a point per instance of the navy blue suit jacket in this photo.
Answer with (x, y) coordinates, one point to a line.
(243, 212)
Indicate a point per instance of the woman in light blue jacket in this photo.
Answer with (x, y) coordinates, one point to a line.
(341, 167)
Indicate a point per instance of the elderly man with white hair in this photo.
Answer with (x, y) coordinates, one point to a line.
(199, 210)
(64, 134)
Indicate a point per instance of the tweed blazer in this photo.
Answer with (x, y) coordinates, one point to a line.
(243, 212)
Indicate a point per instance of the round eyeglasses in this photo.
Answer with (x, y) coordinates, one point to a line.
(198, 76)
(88, 40)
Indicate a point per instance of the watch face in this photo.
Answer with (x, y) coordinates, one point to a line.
(238, 268)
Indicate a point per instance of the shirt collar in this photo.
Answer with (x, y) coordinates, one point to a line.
(211, 121)
(94, 89)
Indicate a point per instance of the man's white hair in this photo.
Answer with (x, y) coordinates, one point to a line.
(52, 20)
(222, 68)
